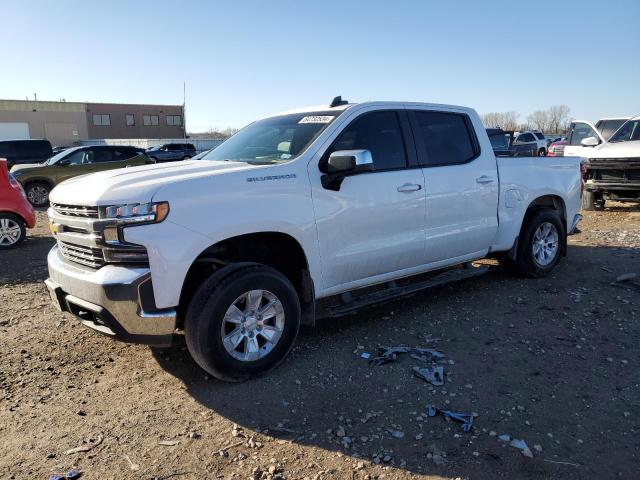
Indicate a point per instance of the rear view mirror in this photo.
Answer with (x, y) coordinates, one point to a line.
(344, 163)
(590, 142)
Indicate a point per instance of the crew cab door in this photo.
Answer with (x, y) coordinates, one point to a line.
(374, 223)
(577, 132)
(461, 185)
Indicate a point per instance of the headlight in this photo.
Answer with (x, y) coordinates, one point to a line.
(137, 212)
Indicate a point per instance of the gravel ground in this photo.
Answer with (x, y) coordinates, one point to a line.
(554, 362)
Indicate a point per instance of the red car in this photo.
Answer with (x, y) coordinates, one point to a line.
(16, 213)
(556, 149)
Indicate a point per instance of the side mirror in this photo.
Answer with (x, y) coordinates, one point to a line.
(63, 163)
(590, 142)
(350, 161)
(344, 163)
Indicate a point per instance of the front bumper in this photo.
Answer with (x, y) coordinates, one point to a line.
(114, 300)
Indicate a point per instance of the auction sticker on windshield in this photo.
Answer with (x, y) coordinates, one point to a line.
(317, 119)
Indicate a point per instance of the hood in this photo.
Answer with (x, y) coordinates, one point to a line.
(26, 166)
(136, 184)
(628, 149)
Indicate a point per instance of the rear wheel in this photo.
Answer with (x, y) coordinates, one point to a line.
(242, 321)
(38, 193)
(540, 244)
(12, 230)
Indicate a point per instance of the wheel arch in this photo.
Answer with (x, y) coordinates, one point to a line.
(15, 214)
(278, 250)
(548, 201)
(32, 180)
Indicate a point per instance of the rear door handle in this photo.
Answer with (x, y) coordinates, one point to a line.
(484, 179)
(409, 187)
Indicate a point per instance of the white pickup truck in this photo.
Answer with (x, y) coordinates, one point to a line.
(301, 215)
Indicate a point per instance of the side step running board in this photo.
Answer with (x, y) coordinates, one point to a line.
(351, 301)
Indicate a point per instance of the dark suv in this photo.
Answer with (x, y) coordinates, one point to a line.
(504, 146)
(18, 152)
(171, 151)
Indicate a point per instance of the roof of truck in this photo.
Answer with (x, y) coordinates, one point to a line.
(390, 104)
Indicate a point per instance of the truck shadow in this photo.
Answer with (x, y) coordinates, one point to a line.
(487, 327)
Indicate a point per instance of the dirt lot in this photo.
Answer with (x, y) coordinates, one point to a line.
(554, 362)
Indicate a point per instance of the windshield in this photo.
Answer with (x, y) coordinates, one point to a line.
(59, 156)
(628, 132)
(273, 140)
(608, 127)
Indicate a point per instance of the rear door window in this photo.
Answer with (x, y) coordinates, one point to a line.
(526, 137)
(378, 132)
(120, 154)
(444, 138)
(100, 155)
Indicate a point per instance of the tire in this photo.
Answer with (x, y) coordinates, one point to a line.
(599, 204)
(12, 230)
(539, 265)
(38, 193)
(186, 157)
(542, 152)
(205, 324)
(588, 201)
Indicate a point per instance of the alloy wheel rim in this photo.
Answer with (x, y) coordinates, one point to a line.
(38, 195)
(252, 326)
(9, 232)
(545, 244)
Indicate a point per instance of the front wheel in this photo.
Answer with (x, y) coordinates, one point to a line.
(242, 321)
(12, 230)
(541, 243)
(542, 152)
(38, 194)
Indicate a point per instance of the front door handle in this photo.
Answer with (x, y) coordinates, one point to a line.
(484, 179)
(409, 187)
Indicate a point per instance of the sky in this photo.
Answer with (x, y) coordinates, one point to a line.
(245, 59)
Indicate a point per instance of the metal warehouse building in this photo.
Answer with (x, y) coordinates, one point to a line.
(64, 123)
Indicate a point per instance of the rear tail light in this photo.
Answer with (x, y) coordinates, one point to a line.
(15, 184)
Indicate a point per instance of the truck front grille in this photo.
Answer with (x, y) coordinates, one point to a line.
(75, 210)
(88, 256)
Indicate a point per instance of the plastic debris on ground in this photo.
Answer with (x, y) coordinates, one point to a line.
(390, 354)
(465, 418)
(433, 375)
(69, 475)
(517, 443)
(522, 446)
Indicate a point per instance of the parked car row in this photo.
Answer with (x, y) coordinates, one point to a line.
(39, 167)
